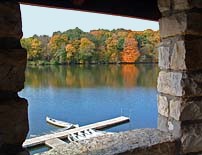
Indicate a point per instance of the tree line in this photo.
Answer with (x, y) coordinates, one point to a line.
(75, 46)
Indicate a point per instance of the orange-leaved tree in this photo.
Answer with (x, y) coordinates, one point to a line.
(130, 51)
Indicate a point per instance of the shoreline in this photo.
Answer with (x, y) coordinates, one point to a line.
(75, 64)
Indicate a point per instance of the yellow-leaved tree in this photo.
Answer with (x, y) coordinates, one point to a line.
(86, 50)
(71, 50)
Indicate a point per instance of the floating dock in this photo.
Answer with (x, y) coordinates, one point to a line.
(52, 140)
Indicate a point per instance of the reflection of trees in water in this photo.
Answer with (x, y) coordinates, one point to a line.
(148, 75)
(45, 76)
(130, 74)
(92, 76)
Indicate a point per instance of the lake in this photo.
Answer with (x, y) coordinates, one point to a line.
(88, 94)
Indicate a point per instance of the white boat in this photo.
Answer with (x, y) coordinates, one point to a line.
(62, 124)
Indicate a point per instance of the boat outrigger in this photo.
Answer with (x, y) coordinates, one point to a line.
(62, 124)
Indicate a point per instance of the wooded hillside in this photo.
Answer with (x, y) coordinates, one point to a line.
(97, 46)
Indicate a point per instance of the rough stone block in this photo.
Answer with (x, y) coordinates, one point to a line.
(180, 54)
(173, 25)
(176, 108)
(12, 69)
(179, 108)
(11, 7)
(163, 123)
(197, 3)
(10, 19)
(14, 121)
(178, 5)
(164, 5)
(172, 56)
(191, 140)
(170, 83)
(164, 56)
(193, 54)
(190, 134)
(186, 4)
(181, 24)
(181, 5)
(169, 125)
(163, 105)
(185, 109)
(10, 43)
(10, 27)
(180, 83)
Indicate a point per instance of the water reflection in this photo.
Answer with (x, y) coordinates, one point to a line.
(116, 76)
(130, 74)
(88, 94)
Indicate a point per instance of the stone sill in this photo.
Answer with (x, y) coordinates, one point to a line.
(138, 142)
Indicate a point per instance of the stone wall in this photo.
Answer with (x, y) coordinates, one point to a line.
(180, 78)
(13, 109)
(136, 142)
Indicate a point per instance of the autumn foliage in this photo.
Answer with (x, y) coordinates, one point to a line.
(97, 46)
(130, 52)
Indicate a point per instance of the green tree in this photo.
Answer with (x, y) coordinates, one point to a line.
(120, 44)
(57, 44)
(112, 55)
(74, 34)
(86, 50)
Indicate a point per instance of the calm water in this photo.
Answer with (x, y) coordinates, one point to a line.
(87, 94)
